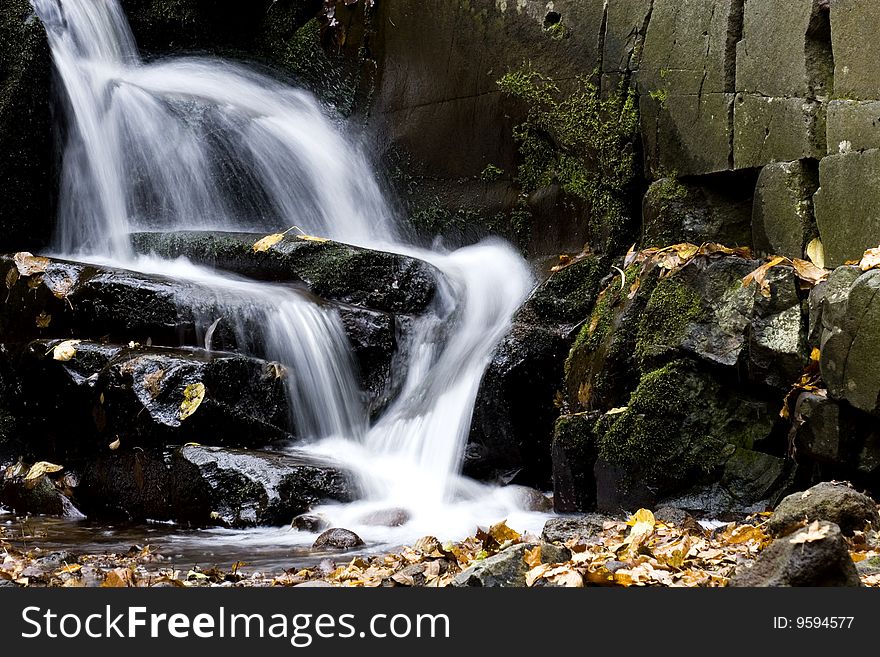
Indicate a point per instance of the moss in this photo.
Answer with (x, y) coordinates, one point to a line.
(569, 294)
(670, 430)
(466, 225)
(575, 432)
(672, 307)
(581, 141)
(492, 173)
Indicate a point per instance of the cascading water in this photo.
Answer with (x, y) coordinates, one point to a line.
(206, 144)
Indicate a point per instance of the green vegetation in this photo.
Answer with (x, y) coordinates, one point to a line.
(671, 428)
(672, 307)
(492, 173)
(434, 219)
(569, 294)
(580, 141)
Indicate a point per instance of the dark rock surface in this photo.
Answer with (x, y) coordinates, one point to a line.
(828, 501)
(337, 538)
(508, 567)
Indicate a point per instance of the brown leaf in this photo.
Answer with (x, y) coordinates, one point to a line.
(29, 264)
(808, 272)
(760, 274)
(118, 578)
(870, 260)
(533, 557)
(43, 320)
(11, 278)
(813, 533)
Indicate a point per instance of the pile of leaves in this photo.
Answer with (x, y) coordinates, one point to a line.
(640, 551)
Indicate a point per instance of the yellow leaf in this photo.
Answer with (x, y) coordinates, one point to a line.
(501, 533)
(267, 242)
(618, 410)
(816, 253)
(66, 350)
(11, 278)
(759, 275)
(311, 238)
(809, 272)
(745, 533)
(533, 557)
(193, 395)
(642, 523)
(40, 468)
(115, 445)
(813, 533)
(28, 264)
(117, 578)
(870, 260)
(70, 569)
(815, 355)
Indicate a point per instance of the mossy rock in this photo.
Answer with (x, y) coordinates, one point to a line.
(26, 130)
(681, 425)
(569, 294)
(574, 454)
(670, 311)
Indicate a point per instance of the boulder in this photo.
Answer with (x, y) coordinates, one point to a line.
(337, 539)
(813, 556)
(574, 453)
(715, 209)
(310, 522)
(57, 298)
(244, 488)
(43, 495)
(508, 568)
(377, 280)
(582, 527)
(26, 130)
(105, 392)
(783, 221)
(846, 204)
(851, 343)
(833, 502)
(818, 433)
(131, 485)
(514, 412)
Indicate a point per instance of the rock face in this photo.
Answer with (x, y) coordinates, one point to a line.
(833, 502)
(508, 567)
(27, 167)
(337, 539)
(814, 556)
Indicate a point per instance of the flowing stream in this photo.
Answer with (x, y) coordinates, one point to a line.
(205, 144)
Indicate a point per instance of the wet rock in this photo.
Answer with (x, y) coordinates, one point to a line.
(337, 539)
(574, 453)
(529, 499)
(869, 566)
(377, 280)
(132, 485)
(674, 517)
(39, 496)
(386, 518)
(515, 412)
(560, 530)
(134, 393)
(26, 170)
(508, 568)
(818, 436)
(810, 557)
(245, 488)
(70, 300)
(309, 522)
(828, 501)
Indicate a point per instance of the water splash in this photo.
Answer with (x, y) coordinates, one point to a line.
(207, 144)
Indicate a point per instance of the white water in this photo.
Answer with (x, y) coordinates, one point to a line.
(206, 144)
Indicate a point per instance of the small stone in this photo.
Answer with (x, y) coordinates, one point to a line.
(828, 501)
(337, 539)
(310, 522)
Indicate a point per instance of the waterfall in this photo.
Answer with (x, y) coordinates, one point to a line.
(206, 144)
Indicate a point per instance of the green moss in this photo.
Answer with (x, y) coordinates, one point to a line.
(492, 173)
(660, 96)
(671, 309)
(670, 430)
(568, 295)
(575, 432)
(581, 141)
(462, 224)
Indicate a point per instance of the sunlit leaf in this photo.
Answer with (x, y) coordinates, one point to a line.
(870, 260)
(502, 533)
(267, 242)
(115, 445)
(70, 569)
(66, 350)
(532, 557)
(808, 272)
(29, 264)
(813, 533)
(617, 411)
(40, 468)
(118, 578)
(759, 276)
(193, 395)
(311, 238)
(816, 253)
(43, 320)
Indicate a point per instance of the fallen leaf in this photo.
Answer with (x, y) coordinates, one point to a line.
(153, 383)
(617, 411)
(760, 274)
(193, 395)
(642, 523)
(533, 557)
(808, 272)
(115, 445)
(28, 264)
(501, 533)
(66, 350)
(311, 238)
(43, 320)
(870, 260)
(40, 468)
(11, 278)
(813, 533)
(267, 242)
(70, 569)
(816, 253)
(117, 578)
